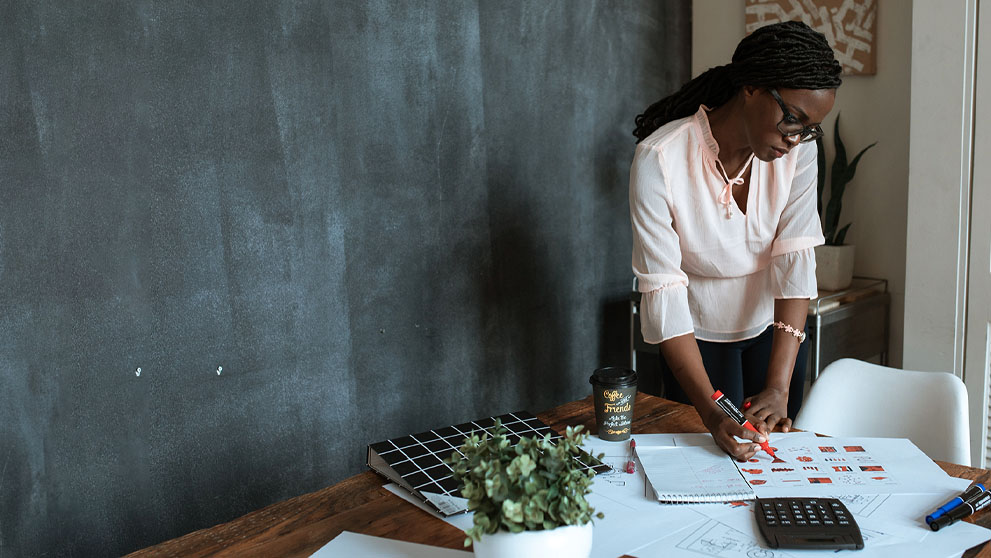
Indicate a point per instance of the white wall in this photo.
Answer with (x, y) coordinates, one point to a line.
(873, 108)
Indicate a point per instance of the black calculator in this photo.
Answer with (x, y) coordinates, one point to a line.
(810, 523)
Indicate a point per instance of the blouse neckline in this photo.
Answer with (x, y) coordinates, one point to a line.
(712, 148)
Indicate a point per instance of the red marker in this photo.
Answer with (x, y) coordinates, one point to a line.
(631, 467)
(732, 412)
(747, 404)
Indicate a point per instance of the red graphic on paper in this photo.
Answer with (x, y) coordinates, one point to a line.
(842, 468)
(879, 478)
(782, 470)
(803, 459)
(753, 471)
(758, 481)
(854, 448)
(834, 459)
(871, 468)
(737, 504)
(778, 460)
(810, 468)
(820, 480)
(755, 460)
(827, 449)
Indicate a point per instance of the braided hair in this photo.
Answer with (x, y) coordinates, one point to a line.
(790, 55)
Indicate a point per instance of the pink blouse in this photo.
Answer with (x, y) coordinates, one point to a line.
(701, 264)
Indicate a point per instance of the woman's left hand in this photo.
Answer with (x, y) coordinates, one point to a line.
(770, 407)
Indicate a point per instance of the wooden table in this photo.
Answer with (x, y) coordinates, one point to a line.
(300, 526)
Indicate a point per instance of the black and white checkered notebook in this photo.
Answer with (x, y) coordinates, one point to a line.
(416, 462)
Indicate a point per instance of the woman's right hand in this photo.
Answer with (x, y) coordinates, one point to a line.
(724, 429)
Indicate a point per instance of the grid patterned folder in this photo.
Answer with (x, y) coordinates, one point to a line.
(416, 462)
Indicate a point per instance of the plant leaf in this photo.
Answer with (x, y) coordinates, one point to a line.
(842, 174)
(841, 235)
(852, 169)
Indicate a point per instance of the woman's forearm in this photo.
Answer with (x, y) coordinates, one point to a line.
(682, 356)
(784, 346)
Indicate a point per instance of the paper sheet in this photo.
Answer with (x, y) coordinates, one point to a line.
(692, 470)
(733, 533)
(834, 466)
(355, 544)
(635, 524)
(462, 521)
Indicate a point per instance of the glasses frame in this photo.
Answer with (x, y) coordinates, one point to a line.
(806, 134)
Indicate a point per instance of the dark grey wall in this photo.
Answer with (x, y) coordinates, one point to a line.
(376, 217)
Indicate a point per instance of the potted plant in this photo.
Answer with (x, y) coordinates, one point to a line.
(528, 498)
(834, 260)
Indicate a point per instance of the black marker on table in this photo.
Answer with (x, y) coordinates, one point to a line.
(968, 507)
(973, 492)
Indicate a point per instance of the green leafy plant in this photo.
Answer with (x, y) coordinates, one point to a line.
(842, 174)
(532, 486)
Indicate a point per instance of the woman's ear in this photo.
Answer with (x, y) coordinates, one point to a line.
(750, 90)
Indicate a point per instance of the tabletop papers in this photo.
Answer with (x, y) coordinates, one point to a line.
(890, 514)
(355, 544)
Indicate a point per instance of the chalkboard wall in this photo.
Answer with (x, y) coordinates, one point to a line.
(241, 240)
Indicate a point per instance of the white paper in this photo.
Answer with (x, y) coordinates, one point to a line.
(462, 521)
(355, 544)
(831, 466)
(704, 439)
(625, 528)
(451, 505)
(733, 533)
(636, 524)
(691, 470)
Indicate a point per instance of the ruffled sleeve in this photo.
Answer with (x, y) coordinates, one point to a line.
(664, 311)
(793, 274)
(798, 226)
(793, 262)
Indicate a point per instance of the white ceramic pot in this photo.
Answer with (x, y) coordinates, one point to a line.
(571, 541)
(834, 266)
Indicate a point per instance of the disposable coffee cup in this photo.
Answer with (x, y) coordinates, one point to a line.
(614, 389)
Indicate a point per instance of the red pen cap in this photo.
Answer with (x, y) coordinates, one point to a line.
(717, 395)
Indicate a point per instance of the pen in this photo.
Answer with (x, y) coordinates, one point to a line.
(963, 510)
(631, 467)
(732, 412)
(972, 492)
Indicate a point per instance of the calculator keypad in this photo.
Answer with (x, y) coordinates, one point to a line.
(807, 523)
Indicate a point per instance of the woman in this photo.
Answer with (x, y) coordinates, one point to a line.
(723, 208)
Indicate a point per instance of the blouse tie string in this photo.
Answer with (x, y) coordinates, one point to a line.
(726, 196)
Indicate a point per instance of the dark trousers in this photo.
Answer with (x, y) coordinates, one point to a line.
(739, 370)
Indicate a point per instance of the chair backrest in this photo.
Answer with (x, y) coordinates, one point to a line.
(856, 398)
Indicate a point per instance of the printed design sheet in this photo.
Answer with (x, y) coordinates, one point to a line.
(843, 466)
(817, 463)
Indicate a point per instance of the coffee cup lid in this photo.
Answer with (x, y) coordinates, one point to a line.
(614, 376)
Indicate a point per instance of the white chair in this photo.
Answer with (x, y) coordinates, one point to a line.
(856, 398)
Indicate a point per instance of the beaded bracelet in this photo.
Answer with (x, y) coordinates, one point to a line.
(800, 335)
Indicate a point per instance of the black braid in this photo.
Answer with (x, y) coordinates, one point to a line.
(789, 55)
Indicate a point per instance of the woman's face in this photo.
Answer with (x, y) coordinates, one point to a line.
(763, 113)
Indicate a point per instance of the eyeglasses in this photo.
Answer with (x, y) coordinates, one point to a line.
(791, 126)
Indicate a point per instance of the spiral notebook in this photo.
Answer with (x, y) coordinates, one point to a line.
(692, 474)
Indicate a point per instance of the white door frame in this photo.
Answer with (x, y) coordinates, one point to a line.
(977, 352)
(944, 44)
